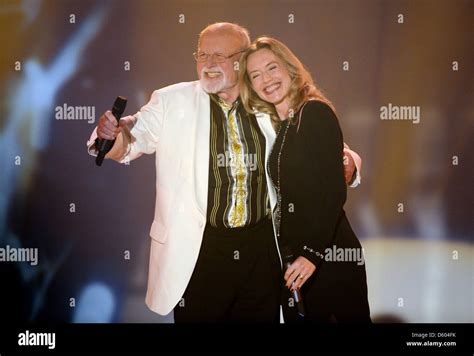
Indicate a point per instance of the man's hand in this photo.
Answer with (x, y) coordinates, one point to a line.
(108, 129)
(349, 167)
(299, 272)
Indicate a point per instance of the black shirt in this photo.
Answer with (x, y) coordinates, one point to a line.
(237, 184)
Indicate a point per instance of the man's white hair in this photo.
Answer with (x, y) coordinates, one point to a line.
(230, 28)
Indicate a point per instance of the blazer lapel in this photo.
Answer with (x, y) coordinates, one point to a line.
(265, 124)
(201, 152)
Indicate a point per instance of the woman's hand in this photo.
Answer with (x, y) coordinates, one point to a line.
(299, 272)
(349, 166)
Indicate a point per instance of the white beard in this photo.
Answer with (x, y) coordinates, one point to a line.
(213, 86)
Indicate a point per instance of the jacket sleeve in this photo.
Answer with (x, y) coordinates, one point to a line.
(138, 138)
(326, 188)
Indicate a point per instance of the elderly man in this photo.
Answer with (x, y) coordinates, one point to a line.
(213, 254)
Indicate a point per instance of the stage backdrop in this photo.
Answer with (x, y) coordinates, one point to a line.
(64, 62)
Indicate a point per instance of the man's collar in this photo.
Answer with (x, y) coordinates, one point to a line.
(218, 100)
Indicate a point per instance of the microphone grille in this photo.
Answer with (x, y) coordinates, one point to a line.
(120, 104)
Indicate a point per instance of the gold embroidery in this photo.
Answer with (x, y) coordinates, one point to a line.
(237, 212)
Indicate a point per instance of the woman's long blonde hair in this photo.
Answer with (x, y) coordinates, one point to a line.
(302, 87)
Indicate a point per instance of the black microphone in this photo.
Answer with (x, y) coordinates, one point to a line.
(288, 259)
(104, 146)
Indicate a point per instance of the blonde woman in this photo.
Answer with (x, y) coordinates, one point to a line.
(306, 167)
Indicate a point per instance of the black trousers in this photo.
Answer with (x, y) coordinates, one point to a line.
(237, 277)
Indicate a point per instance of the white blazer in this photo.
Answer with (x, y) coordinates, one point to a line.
(175, 124)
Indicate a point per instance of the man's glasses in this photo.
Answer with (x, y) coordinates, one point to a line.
(219, 57)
